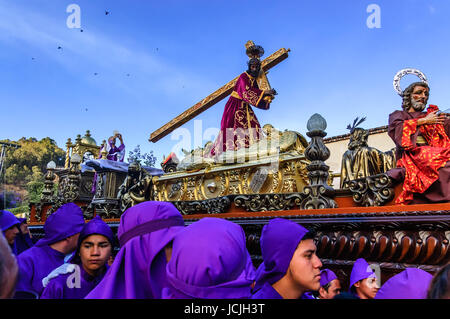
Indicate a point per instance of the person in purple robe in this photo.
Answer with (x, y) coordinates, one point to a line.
(145, 234)
(86, 268)
(10, 227)
(113, 153)
(290, 265)
(239, 126)
(210, 261)
(62, 229)
(330, 286)
(23, 239)
(363, 280)
(411, 283)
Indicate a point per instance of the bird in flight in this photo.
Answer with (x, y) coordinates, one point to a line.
(106, 12)
(59, 48)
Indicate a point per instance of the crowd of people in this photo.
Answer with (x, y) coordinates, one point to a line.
(159, 257)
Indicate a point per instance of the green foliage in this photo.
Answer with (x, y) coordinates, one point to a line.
(34, 189)
(29, 162)
(20, 209)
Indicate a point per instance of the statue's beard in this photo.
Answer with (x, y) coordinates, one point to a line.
(417, 106)
(253, 73)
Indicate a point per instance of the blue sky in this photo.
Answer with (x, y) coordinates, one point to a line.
(155, 59)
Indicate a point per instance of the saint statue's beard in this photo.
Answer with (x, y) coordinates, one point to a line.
(417, 106)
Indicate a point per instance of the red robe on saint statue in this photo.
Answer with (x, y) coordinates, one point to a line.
(426, 166)
(239, 126)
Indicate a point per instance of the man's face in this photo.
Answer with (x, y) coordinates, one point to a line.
(112, 140)
(254, 69)
(24, 228)
(305, 266)
(419, 98)
(333, 290)
(95, 251)
(11, 233)
(367, 288)
(72, 242)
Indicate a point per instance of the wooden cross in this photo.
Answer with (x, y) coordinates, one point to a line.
(216, 97)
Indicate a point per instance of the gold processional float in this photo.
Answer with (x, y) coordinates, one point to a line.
(282, 175)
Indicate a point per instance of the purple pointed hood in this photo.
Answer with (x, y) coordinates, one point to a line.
(279, 240)
(139, 269)
(361, 270)
(412, 283)
(326, 276)
(95, 226)
(8, 220)
(210, 261)
(67, 221)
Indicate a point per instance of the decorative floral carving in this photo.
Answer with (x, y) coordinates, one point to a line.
(374, 190)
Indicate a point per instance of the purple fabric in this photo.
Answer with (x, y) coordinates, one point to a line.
(326, 276)
(95, 226)
(238, 114)
(279, 240)
(150, 227)
(360, 271)
(113, 153)
(22, 241)
(67, 221)
(7, 220)
(138, 271)
(267, 292)
(412, 283)
(58, 288)
(210, 261)
(34, 265)
(307, 295)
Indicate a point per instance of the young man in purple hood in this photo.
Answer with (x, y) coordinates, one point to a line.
(290, 265)
(87, 267)
(9, 225)
(363, 280)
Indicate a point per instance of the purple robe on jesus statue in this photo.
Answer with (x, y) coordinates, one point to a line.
(239, 126)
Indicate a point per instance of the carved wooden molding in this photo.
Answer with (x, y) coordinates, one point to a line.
(218, 205)
(268, 202)
(376, 190)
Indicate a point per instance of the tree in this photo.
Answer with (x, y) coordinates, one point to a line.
(146, 159)
(25, 163)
